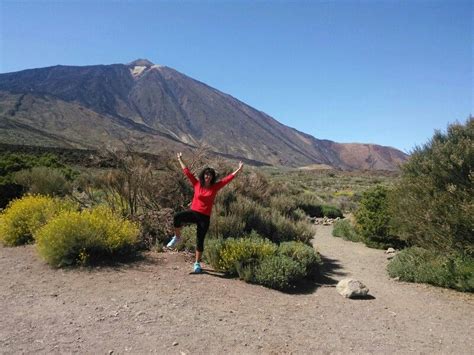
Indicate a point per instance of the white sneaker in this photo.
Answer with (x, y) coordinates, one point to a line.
(197, 267)
(175, 240)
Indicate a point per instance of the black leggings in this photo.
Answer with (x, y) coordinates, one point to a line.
(192, 217)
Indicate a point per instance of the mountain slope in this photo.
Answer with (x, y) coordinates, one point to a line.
(141, 100)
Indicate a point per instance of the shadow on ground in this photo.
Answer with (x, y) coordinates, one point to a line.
(331, 268)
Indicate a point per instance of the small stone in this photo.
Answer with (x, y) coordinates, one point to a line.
(390, 250)
(175, 343)
(111, 352)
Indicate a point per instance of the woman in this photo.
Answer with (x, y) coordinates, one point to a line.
(205, 191)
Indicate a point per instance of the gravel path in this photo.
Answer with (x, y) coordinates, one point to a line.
(157, 306)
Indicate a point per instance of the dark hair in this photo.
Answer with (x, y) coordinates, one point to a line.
(210, 171)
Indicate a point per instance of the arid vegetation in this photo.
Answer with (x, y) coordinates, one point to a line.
(428, 209)
(260, 230)
(84, 215)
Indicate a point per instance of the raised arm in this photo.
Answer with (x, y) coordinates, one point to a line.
(220, 184)
(186, 171)
(180, 159)
(241, 165)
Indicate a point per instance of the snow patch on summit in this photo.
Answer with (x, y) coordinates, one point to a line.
(137, 70)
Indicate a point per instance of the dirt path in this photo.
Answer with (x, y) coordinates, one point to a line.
(157, 306)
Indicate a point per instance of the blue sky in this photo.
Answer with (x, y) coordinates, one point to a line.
(385, 72)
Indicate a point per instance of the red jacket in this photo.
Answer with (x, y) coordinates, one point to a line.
(203, 198)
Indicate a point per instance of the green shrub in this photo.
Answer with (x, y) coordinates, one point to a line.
(279, 272)
(227, 226)
(420, 265)
(14, 162)
(298, 215)
(226, 255)
(247, 215)
(259, 261)
(310, 204)
(432, 203)
(85, 237)
(280, 229)
(20, 220)
(283, 204)
(254, 186)
(331, 212)
(304, 254)
(373, 220)
(344, 229)
(44, 181)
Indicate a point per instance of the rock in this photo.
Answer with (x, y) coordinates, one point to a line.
(175, 343)
(390, 256)
(390, 250)
(351, 288)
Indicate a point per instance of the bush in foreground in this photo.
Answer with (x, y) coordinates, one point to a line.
(226, 255)
(420, 265)
(260, 261)
(82, 238)
(432, 203)
(279, 272)
(22, 218)
(304, 255)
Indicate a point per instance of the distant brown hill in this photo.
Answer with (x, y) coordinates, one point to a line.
(154, 107)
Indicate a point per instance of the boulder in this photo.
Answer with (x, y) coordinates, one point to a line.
(390, 253)
(351, 288)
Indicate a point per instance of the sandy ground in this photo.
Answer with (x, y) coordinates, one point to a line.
(157, 306)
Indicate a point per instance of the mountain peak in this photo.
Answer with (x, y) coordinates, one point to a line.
(141, 63)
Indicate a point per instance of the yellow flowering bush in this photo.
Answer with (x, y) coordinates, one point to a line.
(231, 252)
(24, 216)
(260, 261)
(80, 238)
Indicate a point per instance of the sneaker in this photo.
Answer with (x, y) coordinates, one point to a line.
(175, 240)
(197, 268)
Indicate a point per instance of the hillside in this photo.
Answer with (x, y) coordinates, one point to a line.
(152, 108)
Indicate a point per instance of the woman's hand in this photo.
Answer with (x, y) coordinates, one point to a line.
(241, 165)
(180, 159)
